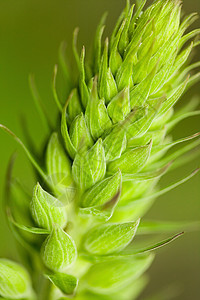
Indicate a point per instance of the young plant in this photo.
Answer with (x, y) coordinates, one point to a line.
(103, 163)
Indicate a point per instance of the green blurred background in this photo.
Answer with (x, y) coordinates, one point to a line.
(30, 34)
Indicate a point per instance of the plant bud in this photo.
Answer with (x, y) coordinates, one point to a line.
(65, 282)
(119, 106)
(131, 161)
(107, 85)
(96, 114)
(102, 192)
(47, 210)
(14, 280)
(58, 250)
(74, 107)
(58, 166)
(111, 276)
(79, 133)
(110, 238)
(89, 166)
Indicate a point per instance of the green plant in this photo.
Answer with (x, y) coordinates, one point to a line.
(102, 167)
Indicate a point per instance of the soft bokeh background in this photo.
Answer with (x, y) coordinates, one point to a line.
(30, 34)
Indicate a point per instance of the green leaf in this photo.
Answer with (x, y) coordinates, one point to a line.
(152, 227)
(30, 229)
(136, 37)
(157, 137)
(170, 187)
(188, 36)
(166, 51)
(175, 155)
(111, 276)
(159, 150)
(140, 92)
(180, 60)
(89, 166)
(103, 212)
(188, 21)
(58, 250)
(155, 173)
(79, 133)
(124, 38)
(47, 210)
(102, 192)
(98, 43)
(14, 280)
(58, 165)
(115, 142)
(130, 252)
(183, 74)
(170, 102)
(176, 119)
(131, 291)
(65, 282)
(125, 71)
(64, 130)
(20, 203)
(184, 159)
(56, 98)
(141, 126)
(115, 59)
(65, 67)
(139, 5)
(39, 104)
(141, 68)
(28, 153)
(87, 295)
(119, 106)
(161, 121)
(116, 29)
(192, 81)
(163, 75)
(110, 238)
(74, 47)
(82, 84)
(96, 114)
(132, 161)
(74, 107)
(106, 84)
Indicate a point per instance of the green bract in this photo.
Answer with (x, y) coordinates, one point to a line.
(47, 210)
(66, 283)
(15, 282)
(104, 161)
(58, 250)
(109, 238)
(108, 277)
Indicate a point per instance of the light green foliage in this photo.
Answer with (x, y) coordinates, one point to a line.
(119, 106)
(132, 160)
(96, 114)
(109, 238)
(111, 276)
(58, 250)
(66, 283)
(89, 166)
(15, 282)
(79, 133)
(115, 130)
(102, 192)
(58, 165)
(74, 107)
(47, 210)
